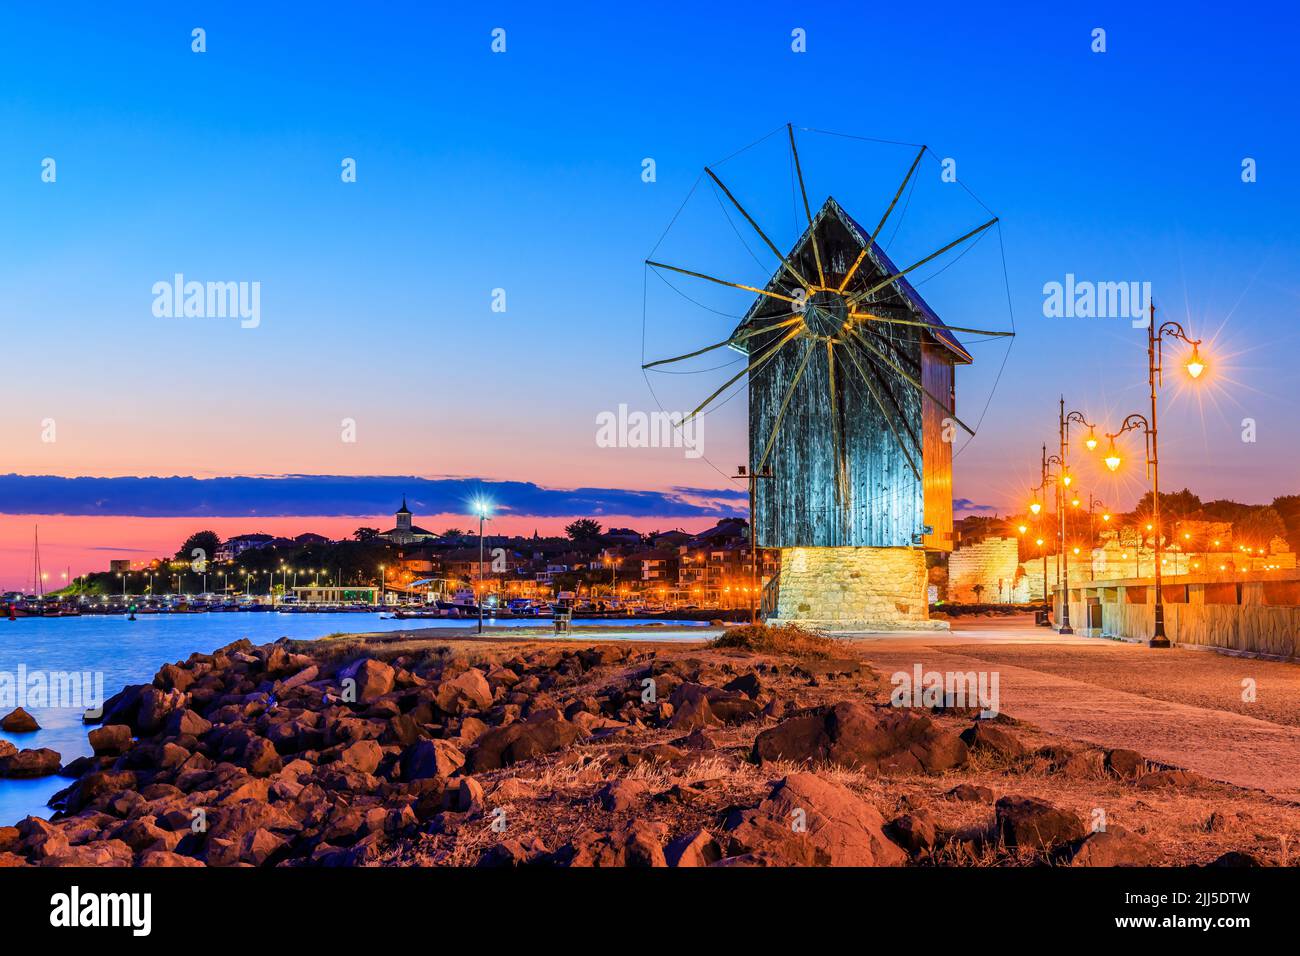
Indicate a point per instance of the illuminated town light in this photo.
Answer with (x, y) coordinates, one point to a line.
(1112, 458)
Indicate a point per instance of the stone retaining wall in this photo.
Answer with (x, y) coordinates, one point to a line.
(992, 565)
(852, 589)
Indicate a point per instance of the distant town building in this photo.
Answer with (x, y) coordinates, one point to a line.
(617, 536)
(232, 548)
(404, 532)
(119, 565)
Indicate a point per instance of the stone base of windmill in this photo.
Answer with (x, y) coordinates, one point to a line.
(855, 589)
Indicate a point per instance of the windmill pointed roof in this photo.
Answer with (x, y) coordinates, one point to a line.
(831, 219)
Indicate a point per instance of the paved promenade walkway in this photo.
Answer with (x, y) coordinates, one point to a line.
(1183, 707)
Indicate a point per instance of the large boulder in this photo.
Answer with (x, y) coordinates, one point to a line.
(185, 722)
(40, 838)
(431, 758)
(98, 853)
(261, 758)
(1114, 846)
(304, 676)
(234, 821)
(465, 796)
(467, 691)
(112, 740)
(174, 676)
(984, 736)
(724, 706)
(915, 832)
(1125, 763)
(364, 755)
(122, 708)
(31, 763)
(98, 785)
(513, 852)
(374, 679)
(697, 848)
(694, 714)
(1170, 779)
(809, 821)
(639, 844)
(1028, 823)
(622, 794)
(155, 706)
(969, 793)
(869, 739)
(503, 746)
(18, 721)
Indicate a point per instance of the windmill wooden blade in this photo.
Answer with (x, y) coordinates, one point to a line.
(762, 235)
(908, 377)
(892, 203)
(812, 233)
(884, 409)
(753, 366)
(871, 317)
(734, 285)
(739, 337)
(916, 265)
(776, 427)
(837, 441)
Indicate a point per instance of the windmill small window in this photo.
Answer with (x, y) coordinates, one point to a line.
(851, 382)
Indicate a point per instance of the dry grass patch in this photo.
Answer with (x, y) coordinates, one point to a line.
(784, 639)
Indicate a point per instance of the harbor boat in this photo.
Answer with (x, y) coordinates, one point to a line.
(405, 615)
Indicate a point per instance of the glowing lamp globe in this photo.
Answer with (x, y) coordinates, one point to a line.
(1091, 441)
(1195, 366)
(1112, 457)
(1036, 507)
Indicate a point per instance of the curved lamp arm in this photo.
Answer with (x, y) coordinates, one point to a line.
(1175, 330)
(1133, 422)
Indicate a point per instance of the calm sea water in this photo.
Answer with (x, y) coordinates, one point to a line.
(130, 652)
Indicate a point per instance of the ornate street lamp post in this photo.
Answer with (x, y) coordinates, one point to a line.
(1194, 365)
(1064, 422)
(1036, 506)
(1092, 532)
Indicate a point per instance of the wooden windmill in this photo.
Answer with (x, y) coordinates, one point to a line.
(851, 387)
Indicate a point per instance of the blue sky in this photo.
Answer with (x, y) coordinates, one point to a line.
(522, 171)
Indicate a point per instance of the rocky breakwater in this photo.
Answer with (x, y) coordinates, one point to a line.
(265, 755)
(512, 753)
